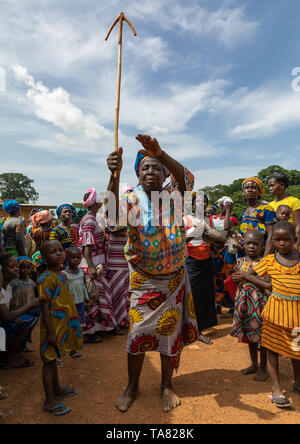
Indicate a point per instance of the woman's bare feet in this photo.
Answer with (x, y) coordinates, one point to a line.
(170, 400)
(261, 375)
(250, 370)
(126, 399)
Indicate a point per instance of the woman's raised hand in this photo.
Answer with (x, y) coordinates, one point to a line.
(115, 161)
(151, 146)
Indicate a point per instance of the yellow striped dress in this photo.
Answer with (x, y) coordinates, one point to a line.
(281, 316)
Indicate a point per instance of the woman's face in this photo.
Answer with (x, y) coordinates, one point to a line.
(250, 190)
(66, 215)
(275, 188)
(151, 175)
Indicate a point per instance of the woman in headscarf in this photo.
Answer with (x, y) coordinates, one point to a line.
(100, 316)
(14, 229)
(41, 227)
(66, 232)
(278, 184)
(162, 313)
(259, 215)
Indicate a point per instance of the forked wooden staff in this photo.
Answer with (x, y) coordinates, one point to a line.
(120, 19)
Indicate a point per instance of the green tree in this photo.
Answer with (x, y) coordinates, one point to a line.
(17, 186)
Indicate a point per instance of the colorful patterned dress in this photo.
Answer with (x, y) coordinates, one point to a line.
(223, 265)
(259, 219)
(162, 313)
(118, 275)
(54, 288)
(40, 236)
(100, 316)
(250, 302)
(281, 316)
(64, 235)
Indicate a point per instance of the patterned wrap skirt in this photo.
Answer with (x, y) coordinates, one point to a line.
(162, 315)
(281, 327)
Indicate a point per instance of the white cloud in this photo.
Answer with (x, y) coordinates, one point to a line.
(264, 112)
(55, 107)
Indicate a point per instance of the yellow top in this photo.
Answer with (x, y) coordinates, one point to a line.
(292, 202)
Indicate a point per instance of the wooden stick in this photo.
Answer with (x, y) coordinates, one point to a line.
(120, 19)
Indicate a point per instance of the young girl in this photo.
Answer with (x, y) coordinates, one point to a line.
(24, 291)
(60, 325)
(16, 322)
(76, 279)
(280, 335)
(249, 304)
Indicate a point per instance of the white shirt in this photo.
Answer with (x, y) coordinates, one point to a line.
(6, 294)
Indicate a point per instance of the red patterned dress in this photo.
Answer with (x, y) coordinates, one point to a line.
(118, 275)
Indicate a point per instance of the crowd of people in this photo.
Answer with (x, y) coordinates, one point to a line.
(81, 275)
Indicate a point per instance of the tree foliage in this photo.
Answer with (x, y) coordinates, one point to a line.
(234, 190)
(17, 186)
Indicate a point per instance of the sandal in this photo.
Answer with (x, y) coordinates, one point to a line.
(54, 411)
(3, 393)
(76, 355)
(92, 340)
(68, 393)
(282, 402)
(205, 339)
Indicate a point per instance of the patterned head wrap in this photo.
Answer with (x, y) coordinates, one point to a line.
(22, 259)
(42, 217)
(61, 207)
(92, 199)
(10, 206)
(258, 183)
(140, 158)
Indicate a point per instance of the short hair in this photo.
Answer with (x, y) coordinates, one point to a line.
(285, 206)
(281, 178)
(285, 225)
(258, 234)
(46, 245)
(71, 250)
(4, 258)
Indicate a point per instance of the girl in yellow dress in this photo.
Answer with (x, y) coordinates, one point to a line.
(60, 325)
(281, 316)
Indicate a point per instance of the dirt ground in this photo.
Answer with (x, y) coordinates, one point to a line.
(209, 383)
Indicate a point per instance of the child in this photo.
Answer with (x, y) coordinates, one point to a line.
(223, 264)
(249, 304)
(280, 334)
(17, 322)
(284, 212)
(60, 325)
(24, 291)
(76, 279)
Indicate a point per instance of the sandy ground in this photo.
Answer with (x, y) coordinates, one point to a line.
(209, 383)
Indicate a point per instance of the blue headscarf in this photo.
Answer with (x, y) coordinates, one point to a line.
(139, 159)
(10, 206)
(60, 208)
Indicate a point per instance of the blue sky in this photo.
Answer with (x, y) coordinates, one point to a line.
(210, 79)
